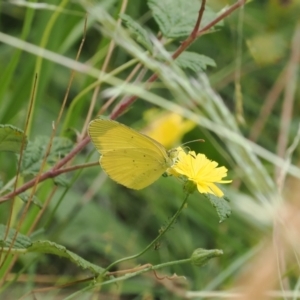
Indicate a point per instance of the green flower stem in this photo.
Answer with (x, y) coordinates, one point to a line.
(147, 269)
(162, 232)
(129, 275)
(199, 258)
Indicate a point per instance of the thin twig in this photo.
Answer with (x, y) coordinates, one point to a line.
(267, 107)
(185, 44)
(41, 212)
(200, 15)
(103, 69)
(239, 111)
(113, 98)
(47, 175)
(289, 95)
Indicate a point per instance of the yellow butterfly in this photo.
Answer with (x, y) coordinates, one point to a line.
(129, 157)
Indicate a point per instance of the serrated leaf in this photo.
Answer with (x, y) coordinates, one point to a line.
(11, 138)
(24, 197)
(35, 152)
(48, 247)
(194, 61)
(23, 244)
(177, 18)
(20, 242)
(221, 205)
(141, 35)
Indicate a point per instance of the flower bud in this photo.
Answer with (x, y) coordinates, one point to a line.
(201, 256)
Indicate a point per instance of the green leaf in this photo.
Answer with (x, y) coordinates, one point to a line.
(140, 34)
(20, 241)
(177, 18)
(221, 205)
(23, 244)
(56, 249)
(35, 152)
(194, 61)
(11, 138)
(25, 196)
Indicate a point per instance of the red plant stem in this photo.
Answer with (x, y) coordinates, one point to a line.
(55, 171)
(200, 15)
(184, 45)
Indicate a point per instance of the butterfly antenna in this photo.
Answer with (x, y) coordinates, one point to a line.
(199, 140)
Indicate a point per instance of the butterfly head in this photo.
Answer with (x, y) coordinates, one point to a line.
(173, 154)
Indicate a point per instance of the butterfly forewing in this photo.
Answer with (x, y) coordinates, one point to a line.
(108, 135)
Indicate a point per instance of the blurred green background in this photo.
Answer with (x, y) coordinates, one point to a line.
(103, 221)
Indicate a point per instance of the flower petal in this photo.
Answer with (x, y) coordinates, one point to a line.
(200, 170)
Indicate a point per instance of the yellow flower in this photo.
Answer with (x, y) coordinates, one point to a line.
(167, 128)
(203, 172)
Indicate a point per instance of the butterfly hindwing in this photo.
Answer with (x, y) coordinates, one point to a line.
(133, 168)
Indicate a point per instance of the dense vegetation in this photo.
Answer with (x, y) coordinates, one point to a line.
(231, 80)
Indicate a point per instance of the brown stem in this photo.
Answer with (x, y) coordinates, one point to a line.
(106, 62)
(49, 174)
(200, 15)
(271, 99)
(42, 211)
(184, 45)
(289, 95)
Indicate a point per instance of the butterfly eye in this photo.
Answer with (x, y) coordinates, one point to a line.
(173, 153)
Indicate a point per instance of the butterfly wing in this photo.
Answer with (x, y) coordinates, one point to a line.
(134, 168)
(128, 157)
(108, 135)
